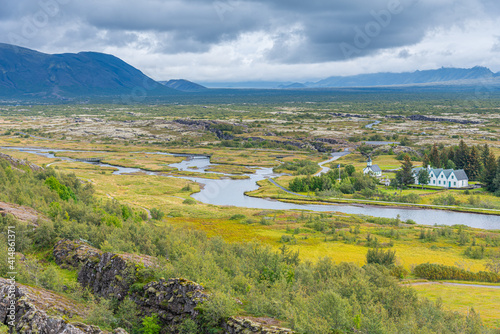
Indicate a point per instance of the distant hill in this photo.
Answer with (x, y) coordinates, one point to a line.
(184, 85)
(451, 76)
(459, 75)
(295, 85)
(24, 72)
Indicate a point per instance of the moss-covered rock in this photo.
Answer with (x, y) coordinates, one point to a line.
(31, 306)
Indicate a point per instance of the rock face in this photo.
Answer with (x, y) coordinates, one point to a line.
(18, 163)
(69, 254)
(246, 326)
(30, 318)
(22, 213)
(109, 275)
(173, 300)
(120, 275)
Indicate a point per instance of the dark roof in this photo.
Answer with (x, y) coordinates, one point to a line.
(460, 174)
(375, 168)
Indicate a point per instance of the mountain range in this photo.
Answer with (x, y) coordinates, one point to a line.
(452, 76)
(31, 74)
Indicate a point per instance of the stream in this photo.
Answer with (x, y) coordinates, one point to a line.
(229, 192)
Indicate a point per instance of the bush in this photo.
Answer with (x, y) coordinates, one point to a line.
(433, 271)
(150, 325)
(216, 309)
(101, 314)
(237, 217)
(379, 256)
(157, 214)
(189, 201)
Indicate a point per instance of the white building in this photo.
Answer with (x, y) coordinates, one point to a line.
(372, 169)
(446, 178)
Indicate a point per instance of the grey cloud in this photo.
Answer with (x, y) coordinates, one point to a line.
(303, 31)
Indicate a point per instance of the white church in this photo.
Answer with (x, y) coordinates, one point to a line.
(446, 178)
(372, 169)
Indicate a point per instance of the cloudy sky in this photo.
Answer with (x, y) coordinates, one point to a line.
(233, 40)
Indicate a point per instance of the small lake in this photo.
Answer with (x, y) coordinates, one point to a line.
(231, 192)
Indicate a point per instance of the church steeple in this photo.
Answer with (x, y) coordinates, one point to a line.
(369, 162)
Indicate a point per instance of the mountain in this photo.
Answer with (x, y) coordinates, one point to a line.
(295, 85)
(450, 76)
(247, 84)
(184, 85)
(25, 72)
(407, 78)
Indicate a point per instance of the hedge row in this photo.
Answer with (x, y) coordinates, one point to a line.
(434, 271)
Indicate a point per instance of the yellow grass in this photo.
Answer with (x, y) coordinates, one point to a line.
(485, 301)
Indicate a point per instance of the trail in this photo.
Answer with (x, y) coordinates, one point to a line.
(335, 156)
(456, 284)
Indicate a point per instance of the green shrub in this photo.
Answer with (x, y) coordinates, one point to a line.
(433, 271)
(217, 308)
(189, 201)
(157, 214)
(150, 325)
(237, 217)
(379, 256)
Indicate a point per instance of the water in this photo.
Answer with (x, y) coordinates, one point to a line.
(231, 192)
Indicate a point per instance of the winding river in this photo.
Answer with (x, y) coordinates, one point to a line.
(232, 193)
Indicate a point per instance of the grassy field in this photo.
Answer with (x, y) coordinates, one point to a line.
(463, 298)
(339, 236)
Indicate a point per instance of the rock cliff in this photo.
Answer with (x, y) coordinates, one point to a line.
(123, 275)
(18, 163)
(28, 313)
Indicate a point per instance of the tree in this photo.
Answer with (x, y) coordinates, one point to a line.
(494, 264)
(434, 158)
(485, 154)
(496, 180)
(489, 172)
(365, 150)
(405, 175)
(423, 177)
(426, 161)
(443, 157)
(450, 165)
(462, 155)
(473, 165)
(349, 169)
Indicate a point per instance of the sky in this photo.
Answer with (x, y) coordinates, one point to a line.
(263, 40)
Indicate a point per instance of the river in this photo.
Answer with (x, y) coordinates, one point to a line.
(232, 192)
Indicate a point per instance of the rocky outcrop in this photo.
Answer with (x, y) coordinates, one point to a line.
(28, 312)
(119, 275)
(246, 326)
(18, 163)
(337, 114)
(72, 254)
(172, 300)
(22, 213)
(108, 276)
(433, 119)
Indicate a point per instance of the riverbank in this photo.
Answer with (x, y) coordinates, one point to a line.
(296, 198)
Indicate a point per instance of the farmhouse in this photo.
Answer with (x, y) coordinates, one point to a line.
(372, 169)
(446, 178)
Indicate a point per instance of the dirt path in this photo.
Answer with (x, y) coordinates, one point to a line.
(456, 284)
(335, 156)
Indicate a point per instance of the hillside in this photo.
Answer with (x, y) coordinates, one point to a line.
(455, 78)
(407, 78)
(183, 85)
(26, 72)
